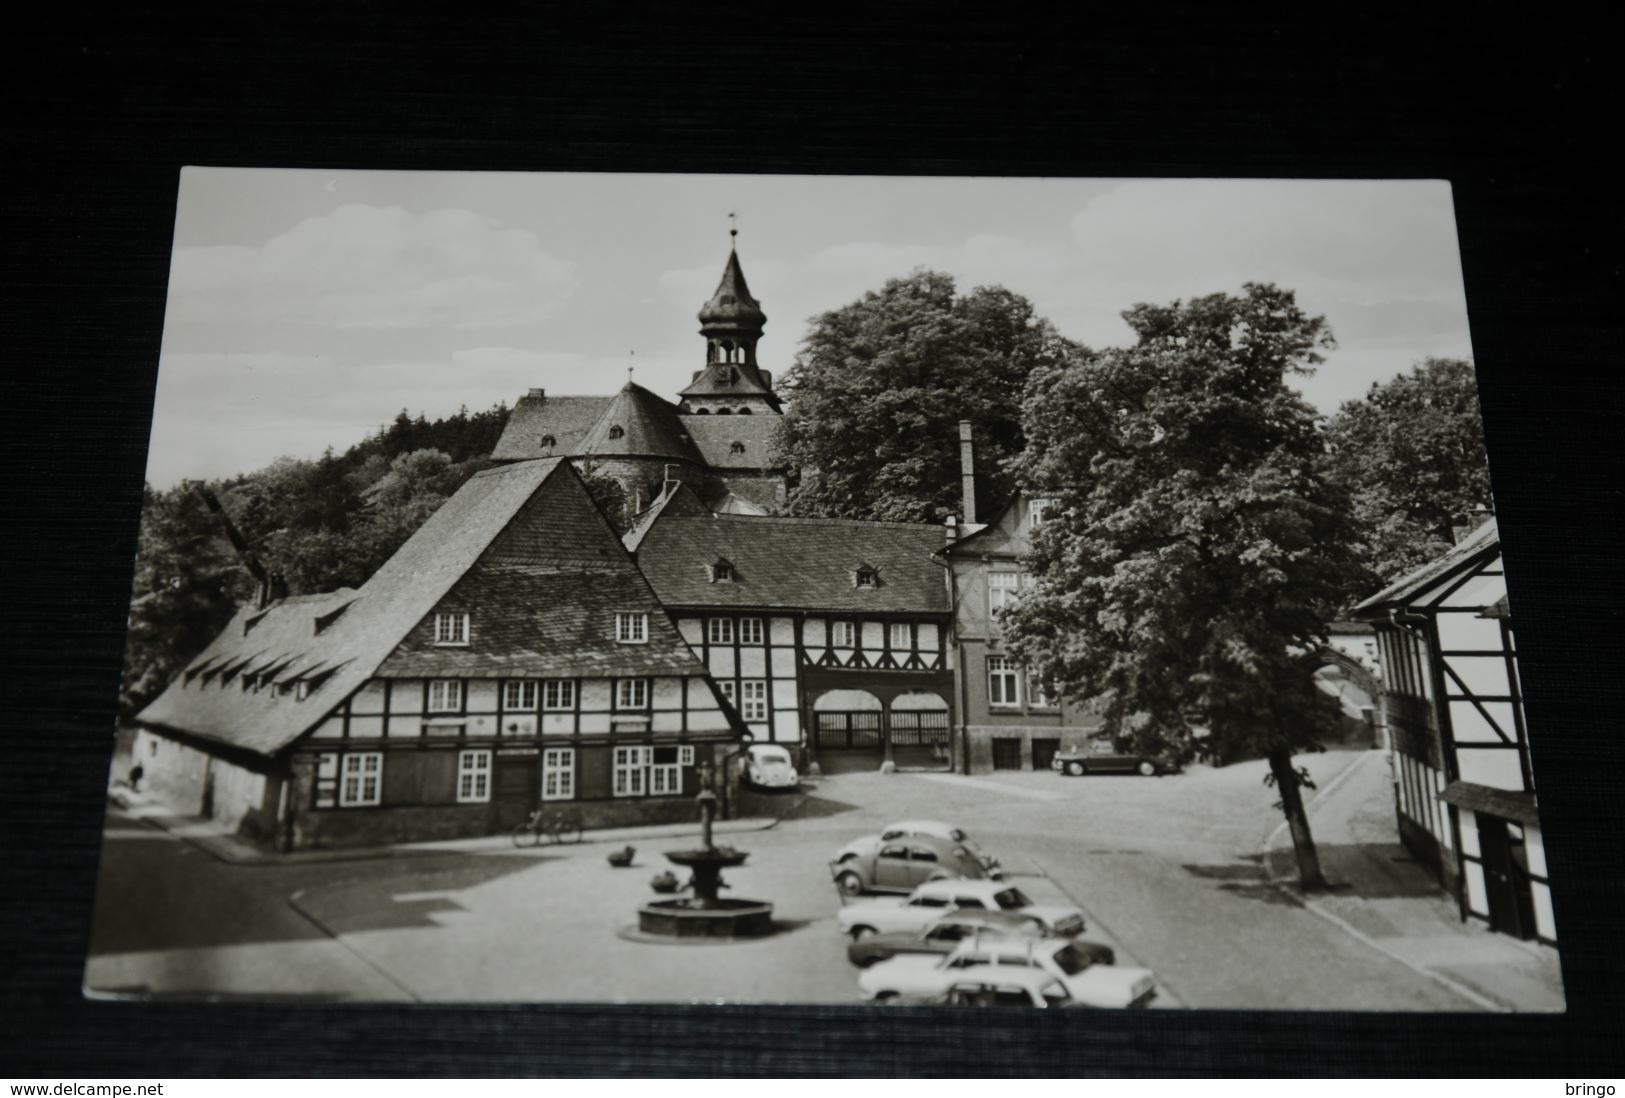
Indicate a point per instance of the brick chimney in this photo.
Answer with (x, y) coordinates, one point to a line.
(538, 394)
(967, 471)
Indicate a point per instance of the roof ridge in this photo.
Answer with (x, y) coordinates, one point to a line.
(810, 520)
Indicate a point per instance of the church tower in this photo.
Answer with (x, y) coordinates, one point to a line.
(731, 322)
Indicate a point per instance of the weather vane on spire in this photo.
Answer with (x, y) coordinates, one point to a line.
(733, 226)
(630, 367)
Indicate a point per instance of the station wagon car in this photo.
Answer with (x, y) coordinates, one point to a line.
(1088, 982)
(1101, 757)
(934, 899)
(897, 865)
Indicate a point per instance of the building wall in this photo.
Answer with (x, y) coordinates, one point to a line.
(194, 781)
(418, 793)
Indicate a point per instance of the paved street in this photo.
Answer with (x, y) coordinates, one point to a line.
(1169, 870)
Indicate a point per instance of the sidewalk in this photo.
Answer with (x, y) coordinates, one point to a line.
(210, 837)
(1382, 896)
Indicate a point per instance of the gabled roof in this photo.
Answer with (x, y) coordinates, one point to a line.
(378, 616)
(1461, 556)
(714, 437)
(802, 563)
(536, 416)
(679, 500)
(636, 421)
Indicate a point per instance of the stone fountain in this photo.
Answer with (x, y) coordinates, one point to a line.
(702, 913)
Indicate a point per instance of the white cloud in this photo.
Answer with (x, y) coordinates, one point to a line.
(375, 267)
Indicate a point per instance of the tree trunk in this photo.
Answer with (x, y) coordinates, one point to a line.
(1310, 877)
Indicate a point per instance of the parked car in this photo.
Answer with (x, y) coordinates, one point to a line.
(991, 987)
(947, 933)
(1101, 757)
(869, 844)
(769, 766)
(1087, 981)
(934, 899)
(900, 864)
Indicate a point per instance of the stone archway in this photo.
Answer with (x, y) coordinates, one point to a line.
(919, 730)
(847, 731)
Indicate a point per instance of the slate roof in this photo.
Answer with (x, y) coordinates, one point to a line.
(374, 620)
(1405, 590)
(719, 380)
(535, 415)
(714, 436)
(805, 563)
(649, 427)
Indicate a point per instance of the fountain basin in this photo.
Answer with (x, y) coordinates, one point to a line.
(726, 919)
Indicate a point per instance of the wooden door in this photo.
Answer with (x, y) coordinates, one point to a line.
(1502, 881)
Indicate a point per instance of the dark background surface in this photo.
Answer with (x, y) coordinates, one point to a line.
(1516, 107)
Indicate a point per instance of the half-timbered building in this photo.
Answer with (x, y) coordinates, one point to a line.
(831, 636)
(509, 654)
(1463, 782)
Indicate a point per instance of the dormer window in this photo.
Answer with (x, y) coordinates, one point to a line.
(451, 629)
(722, 571)
(617, 431)
(632, 627)
(548, 442)
(865, 576)
(736, 448)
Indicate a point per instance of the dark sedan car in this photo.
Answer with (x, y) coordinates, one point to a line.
(1101, 757)
(944, 935)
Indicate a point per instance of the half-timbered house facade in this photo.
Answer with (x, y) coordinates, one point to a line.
(510, 654)
(831, 636)
(1463, 781)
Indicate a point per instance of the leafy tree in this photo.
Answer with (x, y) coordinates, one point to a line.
(1411, 453)
(188, 583)
(879, 386)
(1198, 550)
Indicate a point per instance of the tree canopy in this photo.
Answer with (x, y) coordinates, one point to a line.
(1411, 453)
(1198, 548)
(879, 386)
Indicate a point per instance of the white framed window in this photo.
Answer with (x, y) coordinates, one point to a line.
(362, 782)
(730, 690)
(327, 780)
(865, 577)
(451, 628)
(722, 572)
(629, 771)
(632, 627)
(631, 693)
(665, 771)
(844, 634)
(559, 774)
(519, 694)
(685, 755)
(1003, 588)
(1038, 511)
(902, 639)
(750, 631)
(473, 777)
(1003, 682)
(721, 631)
(445, 695)
(753, 699)
(558, 694)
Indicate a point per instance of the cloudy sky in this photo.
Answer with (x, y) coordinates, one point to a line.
(307, 308)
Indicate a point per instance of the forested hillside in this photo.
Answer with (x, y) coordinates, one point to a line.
(319, 524)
